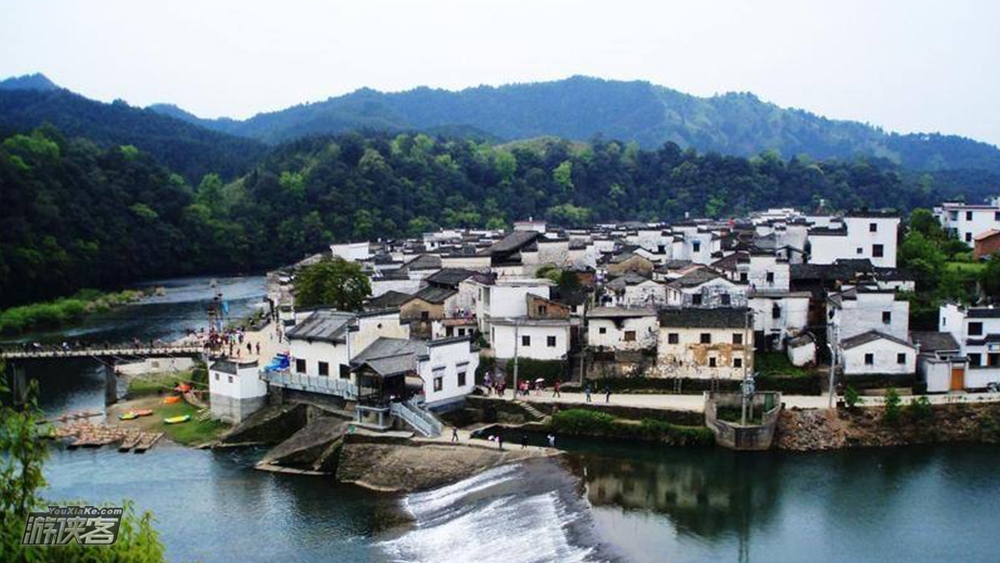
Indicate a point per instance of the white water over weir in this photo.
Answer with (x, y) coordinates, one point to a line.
(524, 513)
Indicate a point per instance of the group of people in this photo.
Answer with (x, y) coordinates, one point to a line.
(499, 386)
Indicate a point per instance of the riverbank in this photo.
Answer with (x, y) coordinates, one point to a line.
(61, 313)
(198, 431)
(822, 429)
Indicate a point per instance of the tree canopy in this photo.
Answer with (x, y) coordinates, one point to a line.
(332, 282)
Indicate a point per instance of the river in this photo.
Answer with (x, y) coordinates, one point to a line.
(603, 502)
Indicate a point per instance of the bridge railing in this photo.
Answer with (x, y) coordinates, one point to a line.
(312, 383)
(99, 350)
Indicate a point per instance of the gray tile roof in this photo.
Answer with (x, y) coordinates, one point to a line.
(870, 336)
(391, 356)
(434, 295)
(721, 317)
(327, 325)
(932, 341)
(619, 313)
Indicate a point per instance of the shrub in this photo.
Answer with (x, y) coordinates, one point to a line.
(596, 423)
(892, 409)
(851, 397)
(920, 408)
(530, 370)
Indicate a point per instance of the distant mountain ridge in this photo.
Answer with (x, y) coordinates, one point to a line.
(37, 81)
(579, 108)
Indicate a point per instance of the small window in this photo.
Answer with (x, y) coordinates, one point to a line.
(737, 362)
(629, 336)
(345, 371)
(706, 338)
(724, 299)
(542, 310)
(673, 338)
(743, 277)
(776, 311)
(603, 330)
(878, 250)
(974, 360)
(993, 360)
(461, 379)
(696, 299)
(525, 340)
(696, 246)
(438, 383)
(769, 277)
(216, 377)
(968, 237)
(230, 378)
(996, 215)
(900, 359)
(550, 341)
(968, 215)
(869, 359)
(324, 368)
(859, 251)
(424, 315)
(872, 227)
(886, 317)
(711, 362)
(737, 338)
(300, 365)
(975, 329)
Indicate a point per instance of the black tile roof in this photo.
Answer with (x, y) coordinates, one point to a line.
(721, 317)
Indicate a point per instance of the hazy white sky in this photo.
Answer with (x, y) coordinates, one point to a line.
(906, 65)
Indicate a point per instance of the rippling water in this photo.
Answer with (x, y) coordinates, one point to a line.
(602, 503)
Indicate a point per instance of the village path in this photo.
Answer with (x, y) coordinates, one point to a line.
(696, 403)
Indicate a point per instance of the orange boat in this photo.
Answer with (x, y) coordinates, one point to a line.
(143, 412)
(171, 400)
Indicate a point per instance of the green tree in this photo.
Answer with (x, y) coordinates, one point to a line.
(332, 282)
(892, 409)
(210, 193)
(989, 278)
(563, 175)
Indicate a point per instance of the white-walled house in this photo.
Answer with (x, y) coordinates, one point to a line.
(506, 297)
(940, 363)
(965, 221)
(704, 287)
(876, 353)
(977, 332)
(352, 251)
(236, 390)
(615, 328)
(870, 235)
(633, 290)
(538, 339)
(861, 309)
(779, 315)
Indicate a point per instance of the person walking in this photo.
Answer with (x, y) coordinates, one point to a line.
(555, 388)
(586, 390)
(552, 440)
(258, 348)
(500, 441)
(454, 433)
(524, 441)
(607, 393)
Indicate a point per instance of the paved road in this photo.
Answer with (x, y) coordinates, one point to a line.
(696, 403)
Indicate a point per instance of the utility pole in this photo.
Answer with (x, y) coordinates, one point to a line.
(517, 342)
(833, 364)
(743, 388)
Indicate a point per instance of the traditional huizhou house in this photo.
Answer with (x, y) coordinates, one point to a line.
(427, 305)
(633, 290)
(876, 353)
(705, 343)
(966, 221)
(616, 328)
(388, 300)
(940, 363)
(704, 288)
(236, 390)
(628, 261)
(538, 339)
(977, 332)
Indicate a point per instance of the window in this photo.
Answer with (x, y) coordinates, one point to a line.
(886, 317)
(696, 246)
(461, 379)
(448, 331)
(696, 299)
(769, 277)
(974, 360)
(424, 315)
(345, 371)
(968, 237)
(629, 336)
(872, 227)
(542, 310)
(975, 329)
(724, 299)
(300, 365)
(968, 215)
(737, 362)
(869, 359)
(525, 340)
(230, 378)
(603, 330)
(878, 250)
(743, 277)
(900, 359)
(550, 341)
(859, 251)
(706, 338)
(438, 383)
(776, 311)
(711, 362)
(996, 215)
(993, 360)
(324, 368)
(737, 338)
(216, 377)
(673, 338)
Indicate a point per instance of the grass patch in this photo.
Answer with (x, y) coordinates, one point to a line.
(584, 422)
(194, 431)
(156, 383)
(61, 312)
(776, 363)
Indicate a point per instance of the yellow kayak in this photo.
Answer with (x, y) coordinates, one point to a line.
(177, 419)
(130, 415)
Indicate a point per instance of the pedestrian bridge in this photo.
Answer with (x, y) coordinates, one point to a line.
(115, 350)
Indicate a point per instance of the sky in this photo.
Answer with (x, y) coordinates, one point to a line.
(904, 65)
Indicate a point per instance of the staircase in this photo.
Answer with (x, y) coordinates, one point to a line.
(535, 413)
(417, 418)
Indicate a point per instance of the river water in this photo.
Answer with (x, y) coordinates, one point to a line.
(601, 503)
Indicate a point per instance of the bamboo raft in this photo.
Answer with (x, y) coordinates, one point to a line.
(88, 435)
(147, 441)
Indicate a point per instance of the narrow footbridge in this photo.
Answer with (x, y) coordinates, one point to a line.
(95, 351)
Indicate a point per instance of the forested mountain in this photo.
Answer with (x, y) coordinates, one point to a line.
(76, 214)
(35, 81)
(580, 108)
(188, 149)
